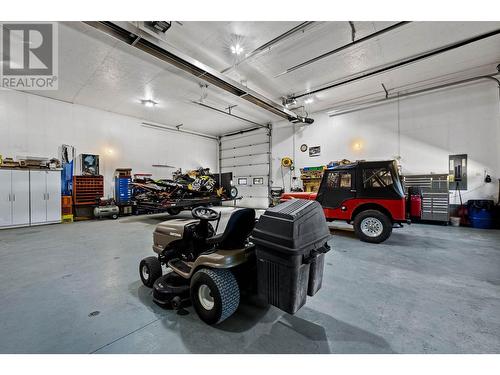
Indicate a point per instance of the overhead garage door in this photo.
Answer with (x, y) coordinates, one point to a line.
(247, 156)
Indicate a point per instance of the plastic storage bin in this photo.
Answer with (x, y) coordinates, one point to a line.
(481, 213)
(316, 266)
(290, 243)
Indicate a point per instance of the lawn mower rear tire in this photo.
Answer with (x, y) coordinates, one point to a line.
(215, 294)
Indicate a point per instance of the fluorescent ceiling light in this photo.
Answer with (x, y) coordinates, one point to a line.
(236, 49)
(149, 102)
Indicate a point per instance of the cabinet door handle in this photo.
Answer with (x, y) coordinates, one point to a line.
(48, 196)
(9, 198)
(13, 197)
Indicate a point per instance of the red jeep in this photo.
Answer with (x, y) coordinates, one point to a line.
(367, 194)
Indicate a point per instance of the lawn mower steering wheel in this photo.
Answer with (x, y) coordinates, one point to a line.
(205, 213)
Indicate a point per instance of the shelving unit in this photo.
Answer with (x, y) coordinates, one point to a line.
(87, 190)
(311, 178)
(123, 188)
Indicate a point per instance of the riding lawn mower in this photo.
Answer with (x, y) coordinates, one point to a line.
(279, 258)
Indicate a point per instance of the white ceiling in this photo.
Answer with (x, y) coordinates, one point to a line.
(98, 71)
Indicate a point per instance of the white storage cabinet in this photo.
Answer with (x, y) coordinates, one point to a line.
(45, 197)
(29, 197)
(14, 198)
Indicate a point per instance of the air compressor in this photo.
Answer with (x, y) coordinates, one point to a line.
(106, 208)
(111, 211)
(414, 202)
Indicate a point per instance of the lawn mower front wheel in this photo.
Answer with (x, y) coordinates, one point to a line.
(150, 270)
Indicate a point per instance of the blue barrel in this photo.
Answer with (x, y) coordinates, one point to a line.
(481, 213)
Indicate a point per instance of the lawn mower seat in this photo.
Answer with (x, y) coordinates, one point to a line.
(238, 228)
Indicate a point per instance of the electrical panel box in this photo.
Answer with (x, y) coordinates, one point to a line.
(458, 172)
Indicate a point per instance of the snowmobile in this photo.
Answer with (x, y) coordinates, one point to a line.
(192, 185)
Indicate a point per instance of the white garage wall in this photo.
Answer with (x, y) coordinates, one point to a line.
(37, 126)
(431, 127)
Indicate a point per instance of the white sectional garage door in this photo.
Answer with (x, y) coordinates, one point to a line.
(247, 155)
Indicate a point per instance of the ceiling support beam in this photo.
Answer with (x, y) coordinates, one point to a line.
(401, 63)
(354, 107)
(265, 47)
(345, 46)
(176, 129)
(137, 38)
(228, 113)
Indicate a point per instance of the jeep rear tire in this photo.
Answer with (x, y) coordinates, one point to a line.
(372, 226)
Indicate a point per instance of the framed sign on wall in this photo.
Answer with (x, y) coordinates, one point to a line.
(314, 151)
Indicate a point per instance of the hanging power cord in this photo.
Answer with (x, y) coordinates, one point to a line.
(461, 210)
(282, 178)
(292, 172)
(286, 162)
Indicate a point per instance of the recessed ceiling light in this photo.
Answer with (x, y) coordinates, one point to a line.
(149, 102)
(309, 101)
(236, 49)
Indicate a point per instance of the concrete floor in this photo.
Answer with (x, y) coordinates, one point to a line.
(75, 288)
